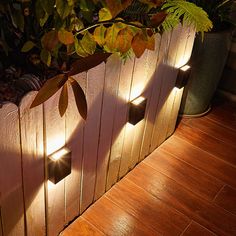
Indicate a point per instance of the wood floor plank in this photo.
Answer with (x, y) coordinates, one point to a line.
(207, 214)
(113, 221)
(186, 175)
(207, 143)
(201, 160)
(213, 129)
(151, 211)
(196, 229)
(227, 199)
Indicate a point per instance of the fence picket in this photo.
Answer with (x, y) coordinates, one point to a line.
(31, 124)
(11, 192)
(95, 83)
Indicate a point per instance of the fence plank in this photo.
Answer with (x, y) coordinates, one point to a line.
(166, 99)
(150, 78)
(31, 129)
(120, 122)
(95, 83)
(74, 141)
(139, 83)
(1, 229)
(112, 76)
(11, 192)
(156, 89)
(183, 57)
(55, 139)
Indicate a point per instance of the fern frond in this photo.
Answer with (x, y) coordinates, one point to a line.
(170, 22)
(188, 13)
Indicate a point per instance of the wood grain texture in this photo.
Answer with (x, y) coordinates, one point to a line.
(120, 121)
(11, 191)
(195, 229)
(111, 82)
(95, 83)
(31, 128)
(201, 160)
(205, 213)
(1, 229)
(191, 178)
(145, 207)
(207, 143)
(227, 199)
(74, 141)
(114, 221)
(54, 140)
(82, 227)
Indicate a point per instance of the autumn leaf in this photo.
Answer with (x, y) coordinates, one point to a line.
(87, 63)
(158, 18)
(105, 14)
(151, 43)
(63, 100)
(139, 44)
(116, 6)
(88, 43)
(65, 37)
(153, 3)
(27, 46)
(79, 49)
(80, 98)
(50, 40)
(124, 39)
(50, 87)
(99, 35)
(46, 57)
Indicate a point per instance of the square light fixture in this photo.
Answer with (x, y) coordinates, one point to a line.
(137, 110)
(59, 165)
(183, 76)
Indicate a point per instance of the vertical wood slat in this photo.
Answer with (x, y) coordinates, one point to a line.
(1, 229)
(31, 124)
(167, 92)
(95, 83)
(155, 93)
(74, 141)
(111, 83)
(120, 121)
(11, 191)
(55, 139)
(183, 57)
(150, 79)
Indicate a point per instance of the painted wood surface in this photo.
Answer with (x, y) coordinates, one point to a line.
(104, 148)
(11, 191)
(31, 128)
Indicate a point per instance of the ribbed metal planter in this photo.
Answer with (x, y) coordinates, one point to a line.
(208, 61)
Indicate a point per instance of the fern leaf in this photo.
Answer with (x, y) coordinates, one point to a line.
(188, 13)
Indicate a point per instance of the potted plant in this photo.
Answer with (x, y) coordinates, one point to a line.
(208, 58)
(47, 42)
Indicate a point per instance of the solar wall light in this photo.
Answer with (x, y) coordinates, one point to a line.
(183, 76)
(59, 165)
(137, 110)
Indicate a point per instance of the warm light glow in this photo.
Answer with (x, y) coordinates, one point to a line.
(138, 101)
(185, 68)
(57, 155)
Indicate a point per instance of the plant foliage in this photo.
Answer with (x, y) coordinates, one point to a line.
(60, 38)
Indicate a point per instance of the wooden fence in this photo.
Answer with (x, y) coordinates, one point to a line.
(104, 148)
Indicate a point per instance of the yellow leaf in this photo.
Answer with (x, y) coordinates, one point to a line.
(65, 37)
(88, 43)
(104, 14)
(99, 34)
(27, 46)
(46, 57)
(79, 49)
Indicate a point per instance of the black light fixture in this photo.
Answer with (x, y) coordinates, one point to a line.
(183, 76)
(59, 165)
(137, 110)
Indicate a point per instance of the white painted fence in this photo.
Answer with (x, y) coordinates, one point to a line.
(104, 148)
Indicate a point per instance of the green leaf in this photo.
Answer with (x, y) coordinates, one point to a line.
(27, 46)
(18, 19)
(46, 57)
(99, 35)
(87, 63)
(49, 89)
(65, 37)
(79, 49)
(80, 98)
(105, 14)
(63, 100)
(63, 8)
(88, 43)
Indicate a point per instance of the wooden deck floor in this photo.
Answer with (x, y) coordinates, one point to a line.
(186, 187)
